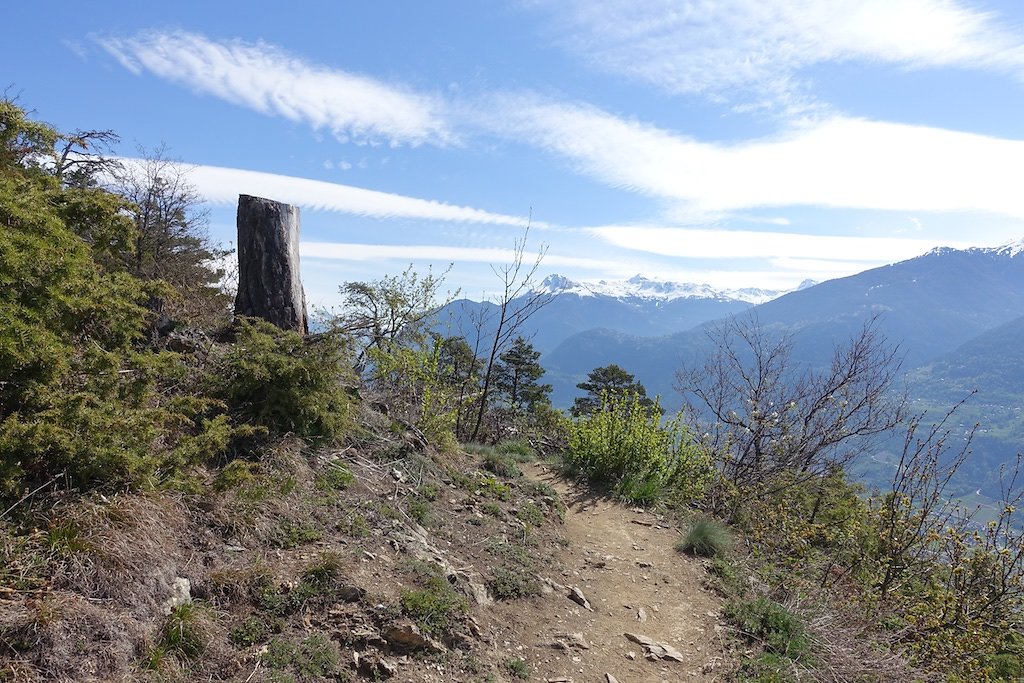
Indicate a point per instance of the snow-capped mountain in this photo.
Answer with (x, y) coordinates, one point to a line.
(639, 287)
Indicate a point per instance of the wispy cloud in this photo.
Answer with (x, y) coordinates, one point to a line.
(221, 185)
(441, 254)
(269, 80)
(786, 249)
(760, 48)
(839, 162)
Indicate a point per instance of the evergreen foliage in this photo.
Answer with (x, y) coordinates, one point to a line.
(79, 397)
(611, 380)
(516, 375)
(278, 380)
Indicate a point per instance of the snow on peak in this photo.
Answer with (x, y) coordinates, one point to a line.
(642, 287)
(1011, 249)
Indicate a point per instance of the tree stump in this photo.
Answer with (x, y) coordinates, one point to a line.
(269, 286)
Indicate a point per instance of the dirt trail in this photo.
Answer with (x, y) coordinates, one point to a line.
(624, 563)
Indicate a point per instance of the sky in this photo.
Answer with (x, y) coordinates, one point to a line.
(738, 143)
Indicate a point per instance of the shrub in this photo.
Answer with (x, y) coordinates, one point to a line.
(501, 465)
(530, 514)
(251, 631)
(518, 668)
(624, 446)
(779, 630)
(312, 658)
(81, 400)
(335, 476)
(286, 383)
(419, 510)
(513, 582)
(435, 604)
(706, 538)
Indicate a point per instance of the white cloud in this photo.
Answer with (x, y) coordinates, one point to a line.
(761, 47)
(268, 80)
(838, 163)
(439, 254)
(223, 185)
(786, 249)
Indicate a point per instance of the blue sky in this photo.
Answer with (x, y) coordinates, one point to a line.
(737, 143)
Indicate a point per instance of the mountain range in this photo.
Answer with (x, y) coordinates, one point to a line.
(639, 307)
(956, 315)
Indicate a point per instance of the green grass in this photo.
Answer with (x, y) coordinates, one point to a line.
(501, 465)
(706, 538)
(434, 605)
(518, 668)
(183, 636)
(518, 450)
(780, 631)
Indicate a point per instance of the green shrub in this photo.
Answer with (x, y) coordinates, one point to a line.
(429, 492)
(625, 446)
(518, 668)
(531, 514)
(706, 538)
(335, 476)
(779, 630)
(81, 401)
(293, 534)
(419, 510)
(434, 605)
(501, 465)
(312, 658)
(519, 450)
(250, 632)
(286, 383)
(235, 474)
(513, 582)
(490, 487)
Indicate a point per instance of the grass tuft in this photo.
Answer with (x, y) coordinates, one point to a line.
(706, 538)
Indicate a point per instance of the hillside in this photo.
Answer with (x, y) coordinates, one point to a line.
(928, 305)
(189, 493)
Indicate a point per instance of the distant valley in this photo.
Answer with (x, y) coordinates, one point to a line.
(957, 316)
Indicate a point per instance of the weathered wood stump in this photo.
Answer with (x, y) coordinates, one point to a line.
(269, 286)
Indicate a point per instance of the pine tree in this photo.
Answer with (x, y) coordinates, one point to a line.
(610, 380)
(516, 376)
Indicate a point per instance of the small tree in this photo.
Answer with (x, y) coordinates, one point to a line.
(459, 368)
(767, 415)
(516, 376)
(385, 311)
(611, 381)
(516, 303)
(172, 241)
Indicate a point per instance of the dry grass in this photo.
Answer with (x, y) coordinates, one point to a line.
(851, 649)
(85, 596)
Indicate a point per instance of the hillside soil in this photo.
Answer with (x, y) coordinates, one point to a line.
(624, 562)
(382, 561)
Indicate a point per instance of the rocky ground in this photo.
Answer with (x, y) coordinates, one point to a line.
(645, 614)
(377, 562)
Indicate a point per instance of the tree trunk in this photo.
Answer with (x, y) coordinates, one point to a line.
(268, 263)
